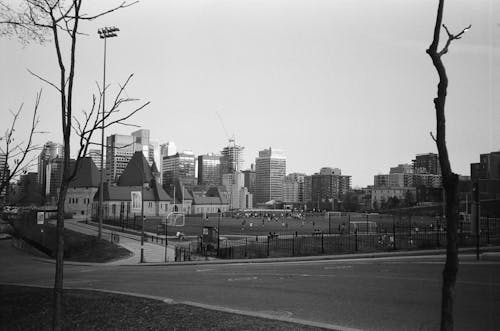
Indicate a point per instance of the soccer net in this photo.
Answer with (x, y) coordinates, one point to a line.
(176, 219)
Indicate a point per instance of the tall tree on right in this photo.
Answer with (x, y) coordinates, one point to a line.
(450, 179)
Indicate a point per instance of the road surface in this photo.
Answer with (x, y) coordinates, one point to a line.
(369, 294)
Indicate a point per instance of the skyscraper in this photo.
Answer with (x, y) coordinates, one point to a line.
(249, 179)
(120, 148)
(270, 169)
(231, 158)
(95, 155)
(49, 168)
(179, 169)
(119, 151)
(427, 163)
(209, 172)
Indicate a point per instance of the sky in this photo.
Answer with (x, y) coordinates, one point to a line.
(333, 83)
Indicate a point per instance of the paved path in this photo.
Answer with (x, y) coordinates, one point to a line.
(152, 252)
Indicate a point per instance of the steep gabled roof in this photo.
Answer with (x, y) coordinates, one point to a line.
(137, 171)
(87, 174)
(154, 168)
(122, 193)
(159, 191)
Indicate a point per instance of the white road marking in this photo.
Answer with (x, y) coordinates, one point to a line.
(338, 267)
(203, 270)
(241, 279)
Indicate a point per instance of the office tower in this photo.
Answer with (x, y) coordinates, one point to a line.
(154, 153)
(209, 172)
(294, 188)
(119, 151)
(231, 158)
(168, 149)
(270, 168)
(179, 169)
(249, 179)
(95, 155)
(50, 168)
(427, 164)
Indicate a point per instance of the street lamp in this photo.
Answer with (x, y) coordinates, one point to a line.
(104, 33)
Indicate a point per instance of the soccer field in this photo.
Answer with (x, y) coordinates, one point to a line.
(312, 223)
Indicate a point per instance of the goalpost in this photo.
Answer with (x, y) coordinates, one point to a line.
(176, 219)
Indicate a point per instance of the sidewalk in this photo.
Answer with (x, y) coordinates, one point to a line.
(152, 252)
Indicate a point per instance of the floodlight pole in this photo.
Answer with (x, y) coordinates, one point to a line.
(142, 216)
(104, 33)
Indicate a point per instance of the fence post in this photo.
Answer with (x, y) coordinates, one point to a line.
(394, 232)
(246, 243)
(488, 229)
(268, 246)
(356, 239)
(437, 231)
(293, 246)
(329, 223)
(322, 248)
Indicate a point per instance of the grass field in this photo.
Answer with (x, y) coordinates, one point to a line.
(30, 308)
(262, 226)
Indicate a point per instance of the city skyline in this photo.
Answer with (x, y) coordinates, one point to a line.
(310, 77)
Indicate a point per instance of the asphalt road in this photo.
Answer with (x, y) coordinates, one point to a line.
(381, 294)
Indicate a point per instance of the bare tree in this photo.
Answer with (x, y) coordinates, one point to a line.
(450, 179)
(59, 20)
(18, 154)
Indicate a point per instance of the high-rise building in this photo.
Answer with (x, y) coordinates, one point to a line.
(4, 174)
(209, 172)
(402, 169)
(120, 148)
(179, 169)
(231, 158)
(329, 186)
(307, 189)
(293, 191)
(249, 179)
(119, 151)
(168, 149)
(270, 169)
(50, 169)
(487, 174)
(427, 164)
(95, 155)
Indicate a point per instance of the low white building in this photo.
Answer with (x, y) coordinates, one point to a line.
(82, 189)
(380, 194)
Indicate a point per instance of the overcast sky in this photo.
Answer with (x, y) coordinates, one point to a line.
(338, 83)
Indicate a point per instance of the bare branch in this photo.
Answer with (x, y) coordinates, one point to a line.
(451, 37)
(124, 4)
(44, 80)
(432, 136)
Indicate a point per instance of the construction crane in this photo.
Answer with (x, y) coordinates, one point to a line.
(230, 139)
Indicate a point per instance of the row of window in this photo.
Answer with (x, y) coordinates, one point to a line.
(86, 201)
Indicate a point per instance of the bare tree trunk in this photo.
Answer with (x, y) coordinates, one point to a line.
(450, 179)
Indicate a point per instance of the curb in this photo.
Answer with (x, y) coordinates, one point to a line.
(440, 252)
